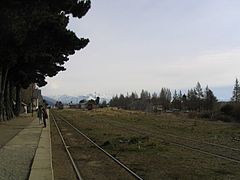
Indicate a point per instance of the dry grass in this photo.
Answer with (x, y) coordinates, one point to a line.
(158, 159)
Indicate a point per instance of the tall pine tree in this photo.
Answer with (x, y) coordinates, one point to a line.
(35, 42)
(236, 92)
(209, 99)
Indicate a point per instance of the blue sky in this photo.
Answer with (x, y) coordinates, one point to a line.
(150, 44)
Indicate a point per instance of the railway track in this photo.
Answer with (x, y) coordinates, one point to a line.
(88, 159)
(208, 149)
(212, 149)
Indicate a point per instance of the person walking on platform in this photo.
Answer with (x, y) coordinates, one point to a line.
(45, 116)
(40, 114)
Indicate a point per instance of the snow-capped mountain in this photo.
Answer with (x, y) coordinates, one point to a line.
(65, 99)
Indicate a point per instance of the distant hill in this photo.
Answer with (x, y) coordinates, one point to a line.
(65, 99)
(49, 100)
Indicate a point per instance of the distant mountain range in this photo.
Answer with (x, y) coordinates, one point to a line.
(65, 99)
(49, 100)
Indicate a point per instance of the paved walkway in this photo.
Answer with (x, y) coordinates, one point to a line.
(27, 154)
(42, 164)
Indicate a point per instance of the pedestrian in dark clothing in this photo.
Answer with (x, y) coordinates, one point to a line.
(45, 116)
(40, 114)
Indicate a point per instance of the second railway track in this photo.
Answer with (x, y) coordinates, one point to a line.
(87, 157)
(211, 149)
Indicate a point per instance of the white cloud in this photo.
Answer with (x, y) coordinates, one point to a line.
(213, 69)
(170, 44)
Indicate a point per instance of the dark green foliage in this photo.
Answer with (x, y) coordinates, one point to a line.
(103, 104)
(132, 102)
(236, 112)
(165, 98)
(92, 102)
(236, 92)
(35, 42)
(195, 100)
(227, 109)
(192, 115)
(114, 102)
(223, 117)
(154, 99)
(97, 100)
(177, 101)
(145, 95)
(232, 110)
(146, 102)
(59, 105)
(205, 115)
(192, 100)
(82, 101)
(209, 100)
(199, 94)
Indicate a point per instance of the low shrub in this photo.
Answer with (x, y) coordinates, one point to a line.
(205, 115)
(232, 110)
(227, 109)
(223, 117)
(192, 115)
(236, 112)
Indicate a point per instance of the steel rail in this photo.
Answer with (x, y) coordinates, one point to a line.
(79, 177)
(205, 142)
(157, 136)
(190, 139)
(105, 152)
(206, 152)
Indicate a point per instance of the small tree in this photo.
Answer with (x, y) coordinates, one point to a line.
(103, 104)
(199, 94)
(114, 101)
(97, 100)
(184, 102)
(165, 98)
(192, 100)
(59, 105)
(209, 99)
(236, 92)
(145, 95)
(154, 99)
(177, 100)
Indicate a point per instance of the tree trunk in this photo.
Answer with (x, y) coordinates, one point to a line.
(1, 71)
(4, 74)
(1, 107)
(7, 102)
(18, 100)
(11, 99)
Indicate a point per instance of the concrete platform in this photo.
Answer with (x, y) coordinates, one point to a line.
(42, 165)
(27, 154)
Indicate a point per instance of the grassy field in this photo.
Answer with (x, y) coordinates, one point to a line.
(144, 142)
